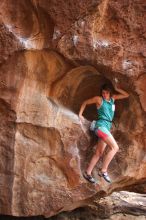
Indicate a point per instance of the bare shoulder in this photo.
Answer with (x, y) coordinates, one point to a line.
(98, 100)
(95, 99)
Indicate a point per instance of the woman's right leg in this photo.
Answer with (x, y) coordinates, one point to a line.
(100, 147)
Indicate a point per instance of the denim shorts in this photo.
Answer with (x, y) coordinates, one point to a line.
(102, 132)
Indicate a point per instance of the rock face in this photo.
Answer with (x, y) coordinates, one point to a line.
(54, 55)
(120, 205)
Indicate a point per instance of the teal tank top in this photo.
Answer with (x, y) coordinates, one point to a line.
(105, 111)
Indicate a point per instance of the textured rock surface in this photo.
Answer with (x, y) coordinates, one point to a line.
(119, 205)
(92, 217)
(54, 55)
(123, 205)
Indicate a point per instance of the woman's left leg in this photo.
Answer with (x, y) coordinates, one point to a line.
(100, 147)
(113, 148)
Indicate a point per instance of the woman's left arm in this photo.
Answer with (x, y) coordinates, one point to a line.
(122, 94)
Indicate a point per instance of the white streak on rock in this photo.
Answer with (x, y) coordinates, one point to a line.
(82, 23)
(56, 34)
(42, 178)
(26, 42)
(75, 39)
(100, 43)
(116, 80)
(127, 64)
(9, 27)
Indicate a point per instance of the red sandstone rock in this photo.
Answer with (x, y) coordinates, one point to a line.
(43, 147)
(141, 90)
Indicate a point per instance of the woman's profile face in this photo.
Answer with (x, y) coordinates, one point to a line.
(105, 94)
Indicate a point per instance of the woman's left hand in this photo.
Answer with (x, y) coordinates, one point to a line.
(81, 118)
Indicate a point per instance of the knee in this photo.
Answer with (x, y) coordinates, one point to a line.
(115, 148)
(98, 153)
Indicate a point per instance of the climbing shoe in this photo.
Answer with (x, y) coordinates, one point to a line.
(89, 177)
(105, 176)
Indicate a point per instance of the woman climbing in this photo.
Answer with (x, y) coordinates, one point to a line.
(105, 109)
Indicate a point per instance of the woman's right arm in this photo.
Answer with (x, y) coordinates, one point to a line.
(96, 99)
